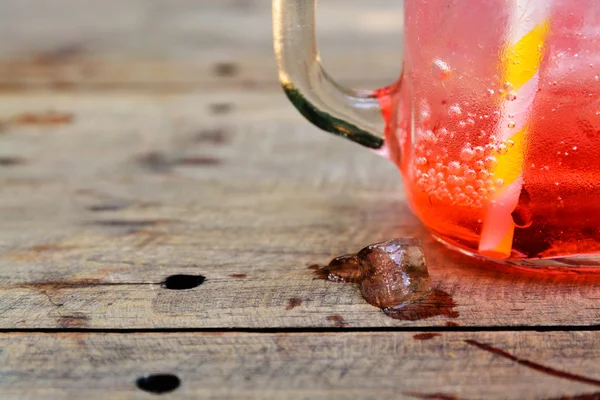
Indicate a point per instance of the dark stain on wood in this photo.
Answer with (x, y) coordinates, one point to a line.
(9, 161)
(425, 336)
(59, 55)
(337, 321)
(107, 207)
(220, 108)
(293, 303)
(584, 396)
(216, 136)
(158, 383)
(533, 365)
(161, 163)
(452, 323)
(49, 285)
(197, 161)
(75, 320)
(239, 276)
(432, 396)
(48, 118)
(154, 161)
(436, 303)
(226, 69)
(130, 223)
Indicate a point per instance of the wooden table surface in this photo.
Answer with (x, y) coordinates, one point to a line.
(145, 139)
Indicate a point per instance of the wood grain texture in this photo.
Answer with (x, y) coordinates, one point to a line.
(184, 44)
(136, 188)
(302, 366)
(164, 146)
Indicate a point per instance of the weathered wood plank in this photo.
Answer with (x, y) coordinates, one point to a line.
(96, 212)
(304, 366)
(186, 44)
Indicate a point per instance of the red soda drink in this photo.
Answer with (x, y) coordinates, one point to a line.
(451, 117)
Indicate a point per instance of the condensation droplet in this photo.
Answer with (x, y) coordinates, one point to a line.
(453, 180)
(454, 167)
(511, 124)
(490, 161)
(467, 154)
(441, 69)
(454, 110)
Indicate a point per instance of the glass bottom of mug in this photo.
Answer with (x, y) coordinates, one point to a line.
(584, 263)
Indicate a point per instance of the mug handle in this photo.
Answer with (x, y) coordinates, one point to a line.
(353, 114)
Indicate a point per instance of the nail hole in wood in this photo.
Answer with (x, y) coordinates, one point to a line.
(183, 282)
(158, 383)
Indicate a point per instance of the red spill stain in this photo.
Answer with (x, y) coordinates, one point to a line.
(533, 365)
(337, 320)
(451, 323)
(239, 276)
(425, 336)
(293, 303)
(436, 303)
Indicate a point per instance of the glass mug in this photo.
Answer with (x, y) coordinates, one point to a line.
(494, 122)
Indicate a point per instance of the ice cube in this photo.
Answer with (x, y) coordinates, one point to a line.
(393, 272)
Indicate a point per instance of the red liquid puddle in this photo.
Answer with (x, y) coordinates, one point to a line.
(392, 276)
(533, 365)
(425, 336)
